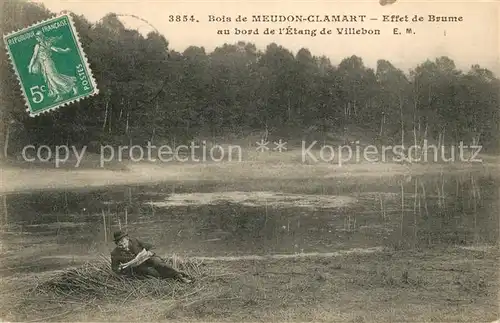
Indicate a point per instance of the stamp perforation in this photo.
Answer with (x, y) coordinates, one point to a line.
(80, 50)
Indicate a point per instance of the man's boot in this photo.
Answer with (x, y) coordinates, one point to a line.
(185, 278)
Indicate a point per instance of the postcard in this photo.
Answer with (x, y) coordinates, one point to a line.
(249, 161)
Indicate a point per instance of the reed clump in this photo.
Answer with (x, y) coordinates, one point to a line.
(95, 285)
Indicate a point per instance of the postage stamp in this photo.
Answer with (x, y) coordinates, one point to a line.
(52, 69)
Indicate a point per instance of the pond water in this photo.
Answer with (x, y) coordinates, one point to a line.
(48, 230)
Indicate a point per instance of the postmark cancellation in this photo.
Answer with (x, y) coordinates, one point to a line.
(50, 64)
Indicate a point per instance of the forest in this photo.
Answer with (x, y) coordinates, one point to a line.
(150, 92)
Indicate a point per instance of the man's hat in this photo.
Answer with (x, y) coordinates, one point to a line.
(118, 235)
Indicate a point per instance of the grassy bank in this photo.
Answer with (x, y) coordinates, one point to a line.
(438, 285)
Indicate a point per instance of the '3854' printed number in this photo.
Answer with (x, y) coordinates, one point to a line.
(182, 18)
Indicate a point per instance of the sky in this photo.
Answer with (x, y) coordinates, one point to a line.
(475, 40)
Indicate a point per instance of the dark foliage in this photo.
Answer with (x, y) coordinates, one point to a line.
(149, 92)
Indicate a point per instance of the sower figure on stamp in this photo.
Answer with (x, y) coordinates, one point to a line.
(134, 258)
(42, 63)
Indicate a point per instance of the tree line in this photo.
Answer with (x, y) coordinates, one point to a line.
(149, 92)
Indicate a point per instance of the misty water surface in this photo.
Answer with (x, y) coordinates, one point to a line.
(52, 230)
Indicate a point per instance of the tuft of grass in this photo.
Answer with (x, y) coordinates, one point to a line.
(473, 283)
(387, 279)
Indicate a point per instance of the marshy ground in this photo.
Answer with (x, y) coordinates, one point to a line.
(267, 242)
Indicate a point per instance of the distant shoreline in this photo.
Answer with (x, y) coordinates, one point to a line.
(22, 179)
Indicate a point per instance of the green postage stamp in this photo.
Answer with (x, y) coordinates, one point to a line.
(50, 64)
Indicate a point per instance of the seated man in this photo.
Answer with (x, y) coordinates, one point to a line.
(129, 248)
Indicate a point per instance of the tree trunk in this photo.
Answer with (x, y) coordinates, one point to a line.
(414, 135)
(424, 137)
(289, 110)
(442, 138)
(153, 135)
(126, 125)
(402, 121)
(266, 134)
(382, 124)
(153, 121)
(109, 119)
(105, 115)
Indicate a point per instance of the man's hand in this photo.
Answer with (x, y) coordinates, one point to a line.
(121, 266)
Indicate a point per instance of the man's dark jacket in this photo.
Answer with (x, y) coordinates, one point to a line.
(119, 255)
